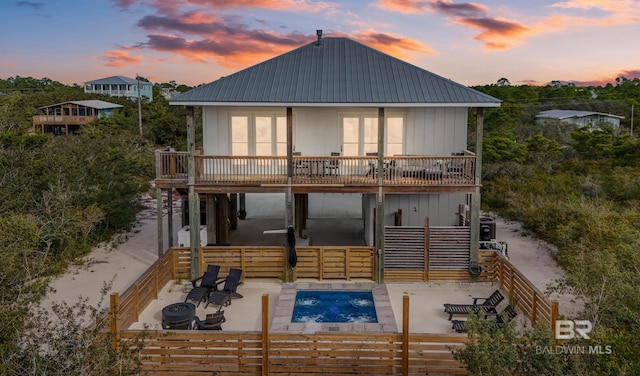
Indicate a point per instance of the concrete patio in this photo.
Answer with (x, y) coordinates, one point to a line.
(426, 302)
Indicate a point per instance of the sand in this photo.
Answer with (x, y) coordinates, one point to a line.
(122, 261)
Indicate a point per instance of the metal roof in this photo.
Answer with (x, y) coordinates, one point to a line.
(97, 104)
(116, 80)
(566, 114)
(335, 71)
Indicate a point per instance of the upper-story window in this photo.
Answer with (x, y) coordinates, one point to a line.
(259, 135)
(360, 135)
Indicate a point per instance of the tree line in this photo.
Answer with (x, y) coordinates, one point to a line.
(578, 189)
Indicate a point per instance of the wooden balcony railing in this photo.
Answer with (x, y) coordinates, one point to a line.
(61, 120)
(329, 170)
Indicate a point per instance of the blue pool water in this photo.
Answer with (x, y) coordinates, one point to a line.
(334, 306)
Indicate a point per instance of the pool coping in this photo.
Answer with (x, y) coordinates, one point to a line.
(284, 309)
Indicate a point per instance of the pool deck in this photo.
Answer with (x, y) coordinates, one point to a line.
(426, 300)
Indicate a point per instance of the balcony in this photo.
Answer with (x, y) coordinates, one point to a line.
(62, 120)
(400, 174)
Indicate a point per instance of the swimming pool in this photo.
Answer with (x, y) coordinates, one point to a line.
(334, 306)
(379, 319)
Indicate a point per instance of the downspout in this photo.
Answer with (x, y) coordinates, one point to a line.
(474, 221)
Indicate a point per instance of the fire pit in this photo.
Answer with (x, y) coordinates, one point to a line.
(179, 315)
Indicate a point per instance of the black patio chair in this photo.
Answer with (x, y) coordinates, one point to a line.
(300, 166)
(222, 297)
(334, 164)
(488, 307)
(503, 318)
(180, 325)
(213, 321)
(209, 281)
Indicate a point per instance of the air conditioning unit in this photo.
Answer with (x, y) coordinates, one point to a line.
(184, 236)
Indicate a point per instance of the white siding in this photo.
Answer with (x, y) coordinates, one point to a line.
(442, 210)
(317, 131)
(436, 131)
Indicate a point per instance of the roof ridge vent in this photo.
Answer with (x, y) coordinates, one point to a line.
(319, 34)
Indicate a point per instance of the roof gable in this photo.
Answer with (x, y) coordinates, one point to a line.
(567, 114)
(116, 80)
(335, 71)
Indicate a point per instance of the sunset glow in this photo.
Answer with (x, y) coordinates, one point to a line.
(198, 41)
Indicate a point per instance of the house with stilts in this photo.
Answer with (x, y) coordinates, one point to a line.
(335, 116)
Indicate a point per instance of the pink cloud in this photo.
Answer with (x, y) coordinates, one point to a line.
(497, 34)
(393, 45)
(117, 59)
(629, 74)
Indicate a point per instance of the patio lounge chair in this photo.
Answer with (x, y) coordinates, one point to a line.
(213, 321)
(504, 317)
(488, 307)
(208, 282)
(222, 298)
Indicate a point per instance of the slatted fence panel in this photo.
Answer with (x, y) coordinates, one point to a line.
(263, 262)
(361, 262)
(523, 293)
(185, 352)
(335, 263)
(404, 248)
(309, 262)
(189, 352)
(181, 259)
(449, 248)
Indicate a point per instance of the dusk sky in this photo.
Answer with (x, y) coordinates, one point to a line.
(588, 42)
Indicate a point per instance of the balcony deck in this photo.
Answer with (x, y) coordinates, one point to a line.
(62, 119)
(401, 174)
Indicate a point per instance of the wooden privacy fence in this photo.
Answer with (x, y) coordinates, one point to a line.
(526, 297)
(313, 262)
(126, 307)
(333, 262)
(331, 354)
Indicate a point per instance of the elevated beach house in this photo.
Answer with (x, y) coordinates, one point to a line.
(68, 117)
(337, 117)
(580, 119)
(120, 86)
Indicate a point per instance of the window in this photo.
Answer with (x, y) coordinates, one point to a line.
(258, 135)
(395, 136)
(239, 135)
(360, 135)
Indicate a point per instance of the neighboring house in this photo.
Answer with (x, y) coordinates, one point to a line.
(337, 117)
(168, 93)
(68, 117)
(580, 118)
(120, 86)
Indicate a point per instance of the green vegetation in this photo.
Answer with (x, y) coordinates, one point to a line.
(60, 196)
(579, 190)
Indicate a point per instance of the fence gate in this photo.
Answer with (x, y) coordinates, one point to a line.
(405, 251)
